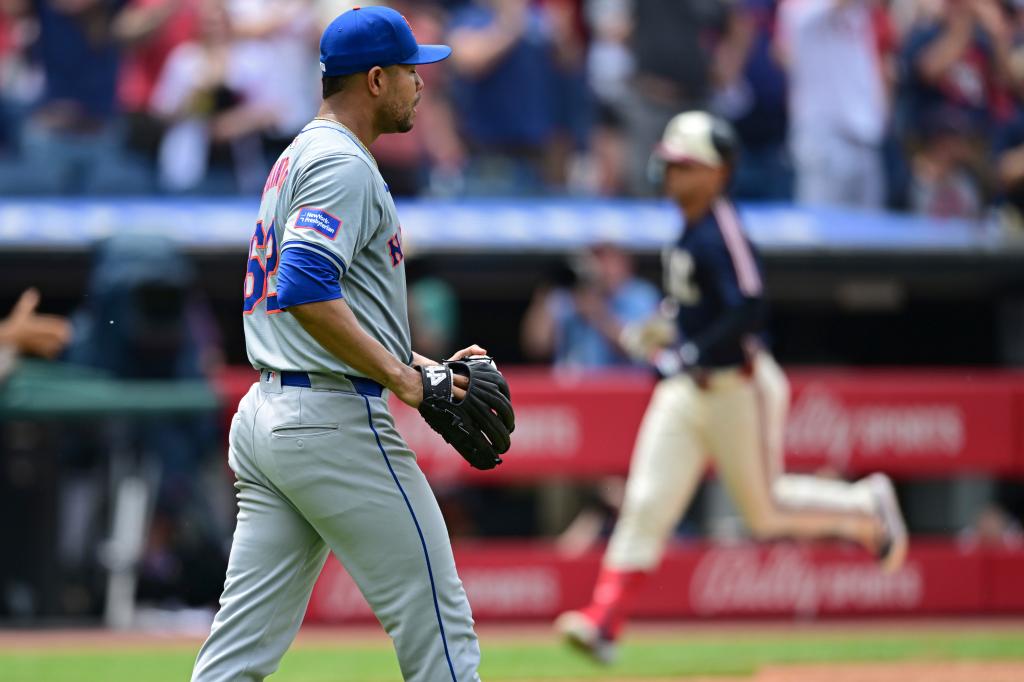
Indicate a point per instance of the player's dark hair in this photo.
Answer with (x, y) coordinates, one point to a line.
(332, 85)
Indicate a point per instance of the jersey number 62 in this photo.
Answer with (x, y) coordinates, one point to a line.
(263, 259)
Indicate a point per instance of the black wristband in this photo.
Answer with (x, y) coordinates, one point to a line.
(437, 382)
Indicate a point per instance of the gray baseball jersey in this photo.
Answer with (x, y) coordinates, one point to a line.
(320, 466)
(326, 195)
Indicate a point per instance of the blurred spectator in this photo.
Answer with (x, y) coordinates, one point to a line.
(433, 309)
(504, 60)
(150, 30)
(541, 96)
(142, 319)
(201, 84)
(431, 155)
(327, 10)
(674, 45)
(71, 143)
(956, 63)
(998, 523)
(751, 94)
(578, 321)
(1009, 168)
(21, 81)
(1008, 147)
(946, 172)
(837, 100)
(609, 69)
(958, 58)
(26, 331)
(225, 95)
(993, 527)
(279, 39)
(569, 161)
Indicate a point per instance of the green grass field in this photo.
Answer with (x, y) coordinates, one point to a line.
(660, 654)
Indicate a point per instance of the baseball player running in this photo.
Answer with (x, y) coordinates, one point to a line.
(721, 394)
(319, 464)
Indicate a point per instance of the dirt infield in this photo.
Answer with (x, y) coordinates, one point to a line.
(874, 672)
(893, 672)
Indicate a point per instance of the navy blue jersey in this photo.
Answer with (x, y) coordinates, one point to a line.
(714, 274)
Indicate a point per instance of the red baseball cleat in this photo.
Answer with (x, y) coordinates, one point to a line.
(586, 636)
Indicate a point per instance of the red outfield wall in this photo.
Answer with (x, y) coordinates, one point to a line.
(527, 581)
(908, 423)
(905, 423)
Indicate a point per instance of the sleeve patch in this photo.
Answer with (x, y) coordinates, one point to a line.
(320, 221)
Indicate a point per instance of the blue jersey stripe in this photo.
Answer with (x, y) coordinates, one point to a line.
(426, 555)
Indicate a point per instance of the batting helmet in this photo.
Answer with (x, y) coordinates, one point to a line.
(695, 137)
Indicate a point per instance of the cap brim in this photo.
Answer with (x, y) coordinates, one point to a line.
(428, 54)
(678, 156)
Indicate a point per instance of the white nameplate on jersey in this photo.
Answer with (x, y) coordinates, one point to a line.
(318, 220)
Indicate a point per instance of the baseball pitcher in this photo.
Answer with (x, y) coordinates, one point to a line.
(319, 464)
(722, 395)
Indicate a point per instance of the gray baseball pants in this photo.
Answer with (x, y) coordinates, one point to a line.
(323, 471)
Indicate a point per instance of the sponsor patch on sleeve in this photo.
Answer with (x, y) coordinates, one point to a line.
(319, 220)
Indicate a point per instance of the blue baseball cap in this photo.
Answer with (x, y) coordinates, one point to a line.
(365, 37)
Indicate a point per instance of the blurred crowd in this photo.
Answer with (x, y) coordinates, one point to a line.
(905, 104)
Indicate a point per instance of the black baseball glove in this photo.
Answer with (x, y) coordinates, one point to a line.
(479, 425)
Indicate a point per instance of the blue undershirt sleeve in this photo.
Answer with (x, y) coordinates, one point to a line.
(305, 276)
